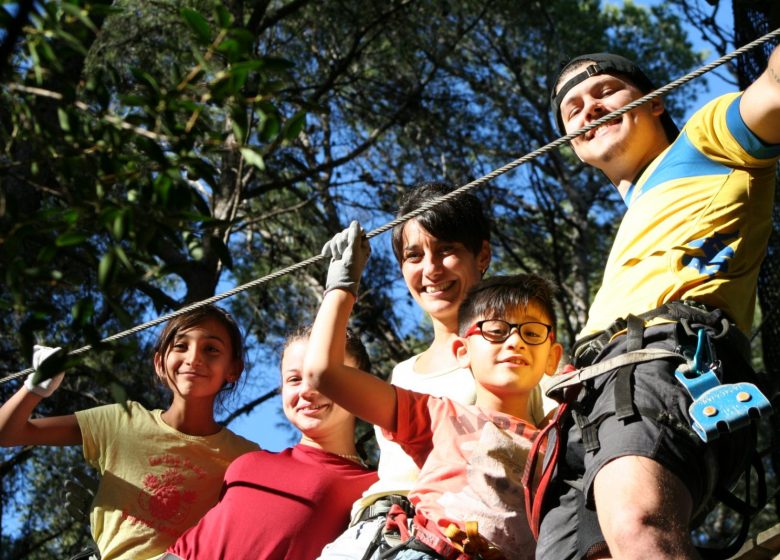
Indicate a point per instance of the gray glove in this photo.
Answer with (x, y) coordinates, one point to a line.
(47, 387)
(349, 251)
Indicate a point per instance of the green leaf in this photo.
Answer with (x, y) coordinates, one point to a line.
(119, 227)
(47, 253)
(118, 393)
(82, 311)
(224, 17)
(70, 238)
(79, 14)
(253, 158)
(133, 100)
(62, 115)
(271, 128)
(275, 64)
(120, 253)
(70, 216)
(162, 188)
(105, 268)
(239, 123)
(198, 24)
(294, 125)
(148, 79)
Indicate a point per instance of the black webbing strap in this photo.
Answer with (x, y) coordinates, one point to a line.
(744, 508)
(624, 401)
(589, 430)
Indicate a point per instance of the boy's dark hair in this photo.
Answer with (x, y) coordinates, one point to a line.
(495, 297)
(461, 219)
(354, 346)
(603, 63)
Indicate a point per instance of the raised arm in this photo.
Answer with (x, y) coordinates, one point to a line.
(359, 392)
(760, 104)
(16, 427)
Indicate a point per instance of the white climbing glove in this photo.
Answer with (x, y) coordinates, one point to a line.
(349, 251)
(47, 387)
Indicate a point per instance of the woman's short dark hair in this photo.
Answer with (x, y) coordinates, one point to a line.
(461, 219)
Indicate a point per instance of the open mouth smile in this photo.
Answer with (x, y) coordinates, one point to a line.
(602, 129)
(312, 409)
(438, 288)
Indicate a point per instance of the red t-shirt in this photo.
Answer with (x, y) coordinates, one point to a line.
(285, 505)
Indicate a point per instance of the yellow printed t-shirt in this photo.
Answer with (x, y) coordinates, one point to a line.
(697, 223)
(156, 482)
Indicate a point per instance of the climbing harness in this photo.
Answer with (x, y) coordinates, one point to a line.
(403, 529)
(454, 544)
(716, 407)
(431, 204)
(387, 535)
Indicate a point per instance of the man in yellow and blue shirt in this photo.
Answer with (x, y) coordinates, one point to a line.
(698, 219)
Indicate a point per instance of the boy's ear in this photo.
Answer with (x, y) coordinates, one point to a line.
(460, 349)
(657, 106)
(553, 358)
(483, 257)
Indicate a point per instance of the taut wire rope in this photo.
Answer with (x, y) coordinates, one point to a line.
(432, 203)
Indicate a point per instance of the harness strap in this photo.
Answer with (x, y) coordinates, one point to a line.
(534, 494)
(589, 429)
(576, 377)
(431, 538)
(382, 508)
(588, 348)
(397, 520)
(624, 402)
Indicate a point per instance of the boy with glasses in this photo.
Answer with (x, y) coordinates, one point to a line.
(468, 498)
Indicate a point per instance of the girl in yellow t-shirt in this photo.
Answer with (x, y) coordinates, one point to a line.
(160, 470)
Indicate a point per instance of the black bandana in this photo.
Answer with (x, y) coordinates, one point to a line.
(605, 63)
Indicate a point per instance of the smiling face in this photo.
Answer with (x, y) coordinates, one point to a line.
(199, 361)
(439, 273)
(312, 413)
(513, 366)
(621, 147)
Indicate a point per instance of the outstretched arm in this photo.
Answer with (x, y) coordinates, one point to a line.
(16, 427)
(760, 104)
(359, 392)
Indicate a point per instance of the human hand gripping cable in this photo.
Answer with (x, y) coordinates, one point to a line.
(349, 251)
(46, 387)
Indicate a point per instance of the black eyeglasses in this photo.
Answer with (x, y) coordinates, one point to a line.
(496, 330)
